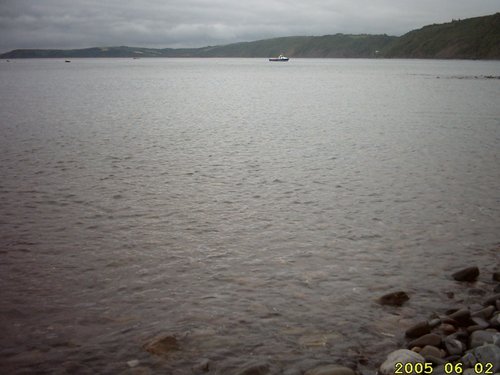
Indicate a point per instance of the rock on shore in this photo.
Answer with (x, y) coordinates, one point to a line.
(394, 298)
(467, 274)
(162, 345)
(403, 356)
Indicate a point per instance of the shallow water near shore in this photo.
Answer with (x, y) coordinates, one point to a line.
(253, 210)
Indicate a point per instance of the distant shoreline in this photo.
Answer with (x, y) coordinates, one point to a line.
(469, 39)
(238, 57)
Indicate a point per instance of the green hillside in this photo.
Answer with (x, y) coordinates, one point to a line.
(338, 45)
(85, 52)
(473, 38)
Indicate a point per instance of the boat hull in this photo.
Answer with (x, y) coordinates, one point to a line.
(278, 59)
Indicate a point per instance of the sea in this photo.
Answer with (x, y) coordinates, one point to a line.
(252, 210)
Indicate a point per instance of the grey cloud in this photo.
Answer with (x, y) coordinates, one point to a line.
(194, 23)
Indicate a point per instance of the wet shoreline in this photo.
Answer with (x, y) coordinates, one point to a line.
(460, 338)
(473, 307)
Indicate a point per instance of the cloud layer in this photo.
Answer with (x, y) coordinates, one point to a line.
(196, 23)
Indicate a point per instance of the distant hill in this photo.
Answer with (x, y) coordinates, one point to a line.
(473, 38)
(85, 52)
(339, 45)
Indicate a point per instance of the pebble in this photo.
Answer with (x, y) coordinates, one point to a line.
(433, 323)
(495, 321)
(139, 370)
(479, 338)
(453, 346)
(488, 354)
(483, 354)
(431, 351)
(418, 330)
(462, 317)
(203, 366)
(468, 359)
(492, 300)
(394, 298)
(403, 356)
(467, 274)
(330, 370)
(259, 368)
(474, 328)
(162, 345)
(485, 313)
(480, 322)
(447, 320)
(447, 329)
(133, 363)
(436, 361)
(428, 339)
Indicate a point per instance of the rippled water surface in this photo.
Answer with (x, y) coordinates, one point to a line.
(253, 210)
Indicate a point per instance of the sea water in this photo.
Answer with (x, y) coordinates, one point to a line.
(253, 210)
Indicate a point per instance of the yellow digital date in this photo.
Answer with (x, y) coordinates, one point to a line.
(449, 368)
(412, 368)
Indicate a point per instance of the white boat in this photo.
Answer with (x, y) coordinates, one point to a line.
(279, 58)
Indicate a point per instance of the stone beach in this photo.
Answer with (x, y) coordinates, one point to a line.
(464, 339)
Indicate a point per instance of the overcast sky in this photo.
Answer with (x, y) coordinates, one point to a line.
(196, 23)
